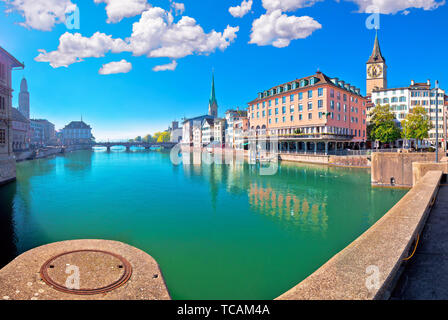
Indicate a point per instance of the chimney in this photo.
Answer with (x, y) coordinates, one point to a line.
(412, 82)
(428, 82)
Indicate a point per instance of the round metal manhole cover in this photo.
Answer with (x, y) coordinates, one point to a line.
(86, 272)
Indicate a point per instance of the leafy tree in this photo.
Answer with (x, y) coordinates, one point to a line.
(417, 124)
(383, 125)
(163, 137)
(147, 138)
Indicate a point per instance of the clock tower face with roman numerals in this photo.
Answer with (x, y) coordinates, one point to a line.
(376, 69)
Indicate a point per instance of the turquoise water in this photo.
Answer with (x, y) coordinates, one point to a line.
(218, 232)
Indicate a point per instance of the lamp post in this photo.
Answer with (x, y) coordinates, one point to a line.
(437, 121)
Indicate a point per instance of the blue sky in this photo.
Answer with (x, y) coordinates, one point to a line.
(121, 105)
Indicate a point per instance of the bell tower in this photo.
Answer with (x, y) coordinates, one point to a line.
(213, 103)
(376, 69)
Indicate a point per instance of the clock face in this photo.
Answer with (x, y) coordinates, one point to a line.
(375, 71)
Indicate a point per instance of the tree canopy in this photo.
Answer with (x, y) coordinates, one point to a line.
(384, 127)
(417, 124)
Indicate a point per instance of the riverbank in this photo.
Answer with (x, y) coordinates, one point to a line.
(46, 152)
(355, 161)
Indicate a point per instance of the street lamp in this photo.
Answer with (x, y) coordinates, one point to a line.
(437, 121)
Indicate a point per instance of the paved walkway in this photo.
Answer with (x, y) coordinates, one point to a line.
(426, 275)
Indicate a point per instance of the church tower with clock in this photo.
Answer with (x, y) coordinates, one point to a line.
(376, 69)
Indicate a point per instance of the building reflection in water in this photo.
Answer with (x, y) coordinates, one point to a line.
(298, 210)
(274, 200)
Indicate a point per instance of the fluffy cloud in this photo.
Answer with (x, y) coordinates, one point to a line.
(241, 10)
(179, 8)
(116, 67)
(277, 29)
(74, 48)
(156, 35)
(118, 9)
(394, 6)
(165, 67)
(41, 14)
(288, 5)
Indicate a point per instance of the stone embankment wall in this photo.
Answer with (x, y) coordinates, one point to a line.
(395, 169)
(369, 267)
(7, 170)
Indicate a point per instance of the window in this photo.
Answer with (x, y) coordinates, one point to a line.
(276, 101)
(276, 120)
(291, 109)
(300, 95)
(2, 103)
(284, 119)
(292, 118)
(276, 110)
(300, 117)
(345, 97)
(264, 113)
(332, 93)
(258, 115)
(310, 106)
(270, 102)
(332, 104)
(300, 108)
(320, 104)
(320, 115)
(310, 94)
(310, 116)
(320, 92)
(283, 110)
(2, 136)
(284, 100)
(291, 98)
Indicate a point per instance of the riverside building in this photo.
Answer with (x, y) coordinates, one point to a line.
(7, 161)
(402, 100)
(312, 113)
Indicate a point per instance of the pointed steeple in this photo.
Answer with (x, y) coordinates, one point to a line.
(213, 95)
(376, 56)
(213, 103)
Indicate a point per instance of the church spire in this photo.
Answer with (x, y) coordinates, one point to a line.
(376, 56)
(213, 103)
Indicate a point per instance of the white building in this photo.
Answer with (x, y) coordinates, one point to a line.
(402, 100)
(232, 117)
(77, 132)
(208, 131)
(219, 131)
(197, 135)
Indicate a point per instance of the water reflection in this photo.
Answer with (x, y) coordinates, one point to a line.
(8, 237)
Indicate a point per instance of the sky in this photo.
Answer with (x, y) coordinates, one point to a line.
(130, 67)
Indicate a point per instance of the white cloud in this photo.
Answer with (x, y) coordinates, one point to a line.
(170, 66)
(118, 9)
(75, 47)
(394, 6)
(278, 29)
(241, 10)
(41, 14)
(179, 8)
(156, 35)
(287, 5)
(116, 67)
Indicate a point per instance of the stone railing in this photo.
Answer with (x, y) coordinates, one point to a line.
(369, 267)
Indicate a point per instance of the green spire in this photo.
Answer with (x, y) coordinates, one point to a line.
(213, 95)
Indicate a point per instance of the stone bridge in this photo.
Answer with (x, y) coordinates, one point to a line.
(128, 145)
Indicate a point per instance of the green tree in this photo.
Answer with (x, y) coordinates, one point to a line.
(147, 138)
(417, 124)
(383, 125)
(163, 137)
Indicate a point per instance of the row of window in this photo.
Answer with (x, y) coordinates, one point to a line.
(392, 100)
(320, 115)
(312, 130)
(287, 87)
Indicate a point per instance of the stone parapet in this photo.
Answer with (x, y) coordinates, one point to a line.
(369, 267)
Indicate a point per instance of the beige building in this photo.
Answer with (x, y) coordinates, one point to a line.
(219, 131)
(7, 159)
